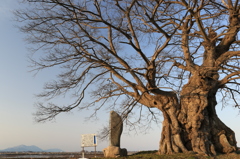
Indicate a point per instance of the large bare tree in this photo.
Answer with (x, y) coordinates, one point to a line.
(173, 55)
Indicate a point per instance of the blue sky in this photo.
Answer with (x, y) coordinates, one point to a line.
(17, 89)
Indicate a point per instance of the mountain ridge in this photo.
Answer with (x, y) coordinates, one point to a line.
(32, 148)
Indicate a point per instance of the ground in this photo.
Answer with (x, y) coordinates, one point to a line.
(153, 155)
(147, 155)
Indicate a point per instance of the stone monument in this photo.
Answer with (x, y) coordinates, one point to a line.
(116, 127)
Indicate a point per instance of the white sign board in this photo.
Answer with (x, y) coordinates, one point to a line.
(89, 140)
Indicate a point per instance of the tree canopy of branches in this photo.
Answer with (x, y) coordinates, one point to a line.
(173, 55)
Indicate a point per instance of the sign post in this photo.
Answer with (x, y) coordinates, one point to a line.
(95, 144)
(89, 140)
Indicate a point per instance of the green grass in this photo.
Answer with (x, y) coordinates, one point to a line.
(153, 155)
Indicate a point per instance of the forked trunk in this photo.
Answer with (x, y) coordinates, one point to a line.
(193, 125)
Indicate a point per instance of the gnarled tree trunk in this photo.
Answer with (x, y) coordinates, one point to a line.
(171, 140)
(192, 124)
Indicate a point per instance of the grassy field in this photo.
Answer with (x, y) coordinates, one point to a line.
(146, 155)
(153, 155)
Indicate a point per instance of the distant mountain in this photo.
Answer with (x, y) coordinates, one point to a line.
(24, 148)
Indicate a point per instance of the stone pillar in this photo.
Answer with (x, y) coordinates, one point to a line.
(116, 128)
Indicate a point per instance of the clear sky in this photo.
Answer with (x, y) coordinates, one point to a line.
(17, 89)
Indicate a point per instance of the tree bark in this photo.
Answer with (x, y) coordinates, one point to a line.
(193, 125)
(171, 130)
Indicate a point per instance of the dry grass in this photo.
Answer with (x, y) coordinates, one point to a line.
(153, 155)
